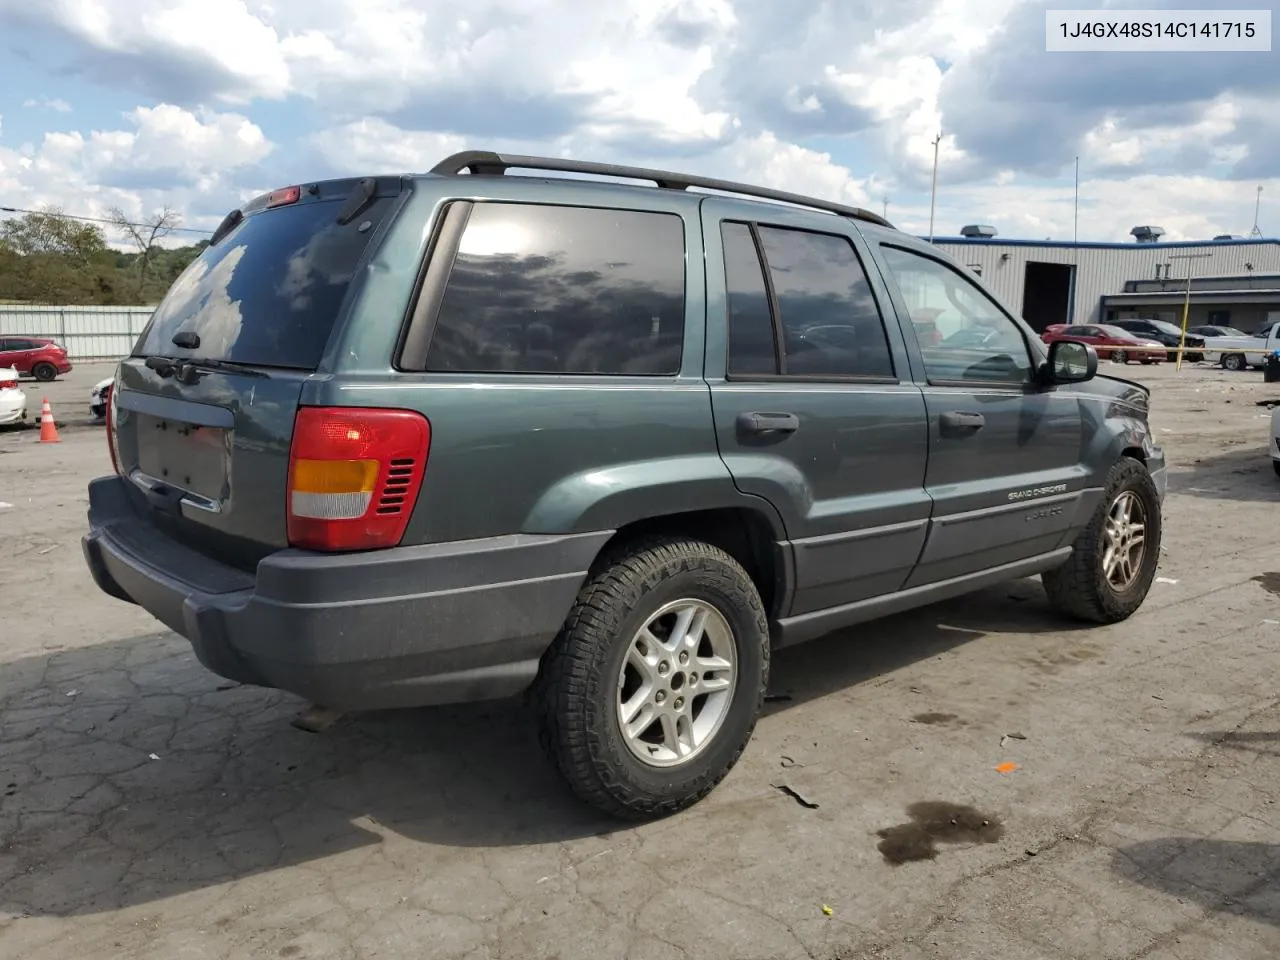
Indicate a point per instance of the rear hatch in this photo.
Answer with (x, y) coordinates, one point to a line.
(204, 407)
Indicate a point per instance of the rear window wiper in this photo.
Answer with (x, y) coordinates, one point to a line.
(188, 369)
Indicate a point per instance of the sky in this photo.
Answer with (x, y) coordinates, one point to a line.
(203, 104)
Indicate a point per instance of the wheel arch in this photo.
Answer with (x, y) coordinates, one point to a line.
(747, 532)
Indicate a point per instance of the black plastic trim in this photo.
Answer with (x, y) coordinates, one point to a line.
(433, 275)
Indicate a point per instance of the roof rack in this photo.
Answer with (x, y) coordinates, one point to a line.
(487, 162)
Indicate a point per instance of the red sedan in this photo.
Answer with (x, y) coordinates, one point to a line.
(1120, 345)
(34, 357)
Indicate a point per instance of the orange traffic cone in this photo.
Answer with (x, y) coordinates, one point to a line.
(48, 429)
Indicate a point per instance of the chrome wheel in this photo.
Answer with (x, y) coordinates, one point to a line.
(1124, 541)
(676, 683)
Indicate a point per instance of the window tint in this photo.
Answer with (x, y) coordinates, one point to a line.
(976, 339)
(542, 289)
(751, 341)
(830, 321)
(269, 292)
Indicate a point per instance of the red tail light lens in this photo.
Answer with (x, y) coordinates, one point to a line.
(112, 446)
(8, 384)
(354, 476)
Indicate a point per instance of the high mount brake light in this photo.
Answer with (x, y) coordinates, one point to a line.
(283, 196)
(354, 476)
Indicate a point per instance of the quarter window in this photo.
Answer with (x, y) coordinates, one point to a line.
(570, 290)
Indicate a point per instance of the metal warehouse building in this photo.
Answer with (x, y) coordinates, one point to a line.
(1235, 282)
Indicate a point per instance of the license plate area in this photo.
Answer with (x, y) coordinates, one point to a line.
(190, 457)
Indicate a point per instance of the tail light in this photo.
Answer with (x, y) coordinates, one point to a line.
(8, 384)
(113, 446)
(354, 476)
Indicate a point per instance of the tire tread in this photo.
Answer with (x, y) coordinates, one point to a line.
(569, 674)
(1076, 588)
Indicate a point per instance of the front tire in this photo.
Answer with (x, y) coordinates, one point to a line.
(1113, 562)
(1119, 356)
(650, 693)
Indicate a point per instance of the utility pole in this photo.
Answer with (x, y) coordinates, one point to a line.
(933, 193)
(1186, 303)
(1075, 213)
(886, 208)
(1075, 247)
(1256, 232)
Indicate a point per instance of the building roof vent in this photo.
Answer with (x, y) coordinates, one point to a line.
(1147, 234)
(1228, 236)
(978, 231)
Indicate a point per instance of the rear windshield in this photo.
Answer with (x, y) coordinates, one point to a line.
(269, 292)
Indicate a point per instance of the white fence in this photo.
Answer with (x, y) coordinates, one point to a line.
(87, 333)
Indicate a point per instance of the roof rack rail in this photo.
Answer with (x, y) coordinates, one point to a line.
(487, 162)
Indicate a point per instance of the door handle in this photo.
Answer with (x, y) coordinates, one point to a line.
(958, 423)
(768, 422)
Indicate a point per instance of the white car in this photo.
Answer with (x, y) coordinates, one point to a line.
(13, 399)
(1275, 439)
(98, 398)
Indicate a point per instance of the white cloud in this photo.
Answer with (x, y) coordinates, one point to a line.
(770, 162)
(45, 103)
(372, 146)
(222, 39)
(1117, 142)
(838, 98)
(167, 155)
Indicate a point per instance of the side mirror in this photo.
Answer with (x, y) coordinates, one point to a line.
(1071, 362)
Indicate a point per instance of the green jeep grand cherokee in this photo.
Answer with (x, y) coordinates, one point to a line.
(412, 440)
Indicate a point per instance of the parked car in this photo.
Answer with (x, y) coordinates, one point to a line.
(1215, 331)
(13, 399)
(1275, 440)
(1167, 333)
(34, 357)
(1108, 342)
(99, 396)
(1243, 352)
(602, 444)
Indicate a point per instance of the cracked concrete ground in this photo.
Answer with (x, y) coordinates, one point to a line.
(150, 810)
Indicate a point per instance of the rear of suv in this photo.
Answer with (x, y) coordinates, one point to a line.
(403, 441)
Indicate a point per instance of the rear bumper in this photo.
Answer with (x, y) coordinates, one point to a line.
(407, 626)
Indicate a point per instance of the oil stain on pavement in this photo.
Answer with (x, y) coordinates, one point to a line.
(1270, 582)
(933, 822)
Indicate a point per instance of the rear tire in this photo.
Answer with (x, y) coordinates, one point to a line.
(44, 372)
(588, 679)
(1119, 356)
(1087, 587)
(1275, 465)
(1233, 361)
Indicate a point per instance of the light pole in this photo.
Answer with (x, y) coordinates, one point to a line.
(1075, 210)
(1186, 302)
(933, 193)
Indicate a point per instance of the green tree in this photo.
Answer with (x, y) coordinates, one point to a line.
(46, 257)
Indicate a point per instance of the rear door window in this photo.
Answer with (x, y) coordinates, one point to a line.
(570, 290)
(270, 291)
